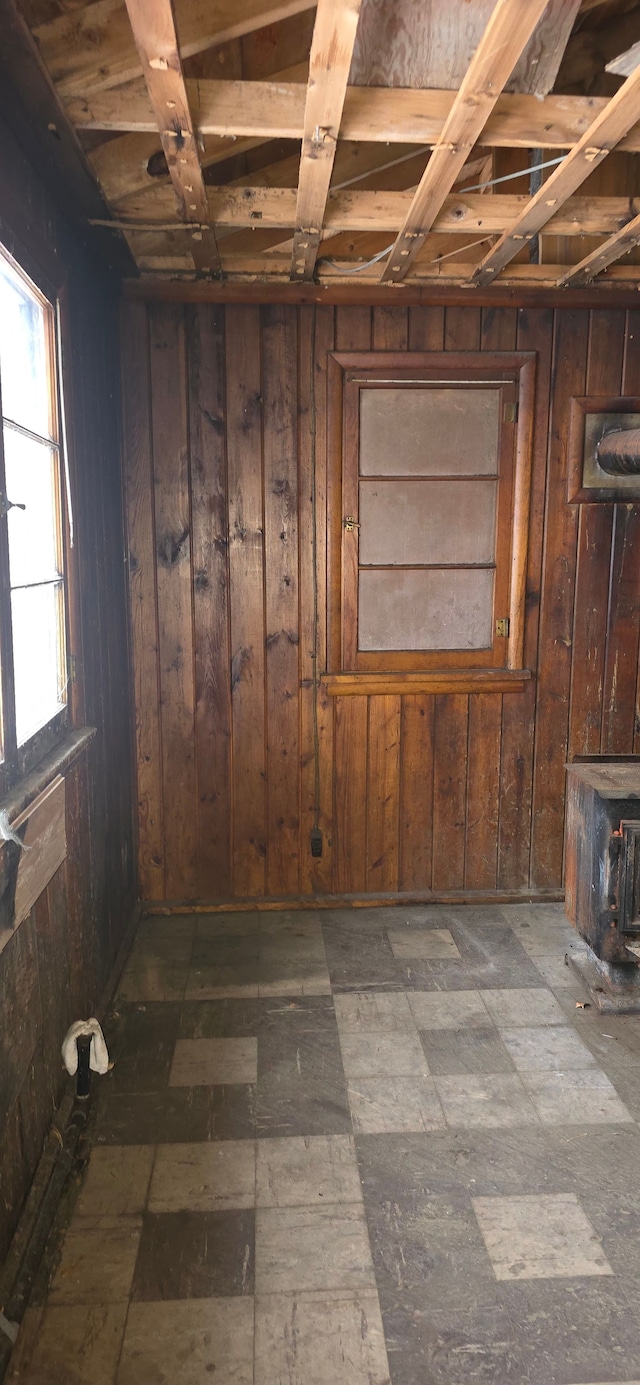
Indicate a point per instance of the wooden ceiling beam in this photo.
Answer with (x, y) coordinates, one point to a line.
(334, 36)
(268, 110)
(603, 135)
(466, 214)
(619, 244)
(91, 48)
(156, 39)
(504, 39)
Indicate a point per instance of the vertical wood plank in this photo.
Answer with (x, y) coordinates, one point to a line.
(280, 402)
(426, 329)
(207, 433)
(498, 329)
(556, 616)
(138, 481)
(483, 791)
(315, 872)
(631, 385)
(353, 329)
(462, 329)
(604, 371)
(350, 788)
(383, 794)
(621, 666)
(535, 333)
(173, 559)
(416, 792)
(449, 790)
(390, 329)
(246, 599)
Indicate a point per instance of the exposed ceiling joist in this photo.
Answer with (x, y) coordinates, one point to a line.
(619, 244)
(156, 40)
(506, 35)
(329, 65)
(606, 131)
(91, 48)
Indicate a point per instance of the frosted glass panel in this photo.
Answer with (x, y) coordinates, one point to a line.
(427, 522)
(23, 355)
(426, 609)
(37, 656)
(429, 432)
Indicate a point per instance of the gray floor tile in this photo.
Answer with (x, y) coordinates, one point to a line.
(453, 1010)
(116, 1182)
(211, 1177)
(299, 1248)
(359, 957)
(193, 1342)
(390, 1104)
(486, 1101)
(301, 1083)
(219, 1019)
(212, 981)
(214, 1062)
(575, 1098)
(456, 1051)
(374, 1012)
(314, 1339)
(511, 1009)
(382, 1055)
(177, 1114)
(195, 1255)
(152, 981)
(71, 1345)
(97, 1263)
(547, 1048)
(429, 943)
(539, 1237)
(307, 1170)
(141, 1039)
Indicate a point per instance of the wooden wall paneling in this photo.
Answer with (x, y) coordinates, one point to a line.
(426, 329)
(383, 794)
(556, 614)
(416, 791)
(353, 329)
(498, 329)
(483, 791)
(631, 385)
(138, 480)
(390, 329)
(315, 335)
(83, 968)
(534, 333)
(209, 520)
(462, 329)
(246, 597)
(350, 788)
(449, 790)
(595, 527)
(175, 612)
(280, 440)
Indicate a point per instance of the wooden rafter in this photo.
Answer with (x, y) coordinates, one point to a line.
(90, 49)
(606, 131)
(506, 35)
(619, 244)
(331, 53)
(268, 110)
(154, 31)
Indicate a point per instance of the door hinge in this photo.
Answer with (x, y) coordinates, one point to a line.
(510, 413)
(502, 627)
(350, 523)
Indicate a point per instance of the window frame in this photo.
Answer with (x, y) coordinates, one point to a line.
(18, 761)
(501, 666)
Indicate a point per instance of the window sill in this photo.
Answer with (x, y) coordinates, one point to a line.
(472, 680)
(57, 761)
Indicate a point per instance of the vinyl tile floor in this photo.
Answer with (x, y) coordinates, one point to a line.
(359, 1147)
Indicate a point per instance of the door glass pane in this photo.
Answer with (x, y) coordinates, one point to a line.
(31, 473)
(426, 609)
(429, 432)
(427, 522)
(38, 656)
(23, 354)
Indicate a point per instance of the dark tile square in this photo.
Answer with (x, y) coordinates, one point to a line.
(452, 1051)
(301, 1085)
(141, 1039)
(195, 1255)
(177, 1115)
(359, 957)
(224, 951)
(219, 1019)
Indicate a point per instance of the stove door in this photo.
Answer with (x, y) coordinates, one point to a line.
(629, 918)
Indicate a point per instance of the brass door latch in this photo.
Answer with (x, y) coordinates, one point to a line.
(350, 523)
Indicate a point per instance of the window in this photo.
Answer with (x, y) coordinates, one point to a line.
(32, 593)
(429, 479)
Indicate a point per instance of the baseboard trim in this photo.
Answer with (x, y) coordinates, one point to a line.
(150, 908)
